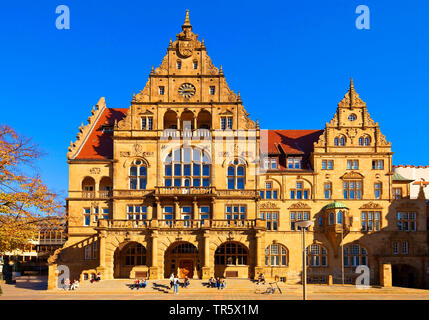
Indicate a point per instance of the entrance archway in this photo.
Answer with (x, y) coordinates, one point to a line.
(181, 258)
(404, 275)
(127, 257)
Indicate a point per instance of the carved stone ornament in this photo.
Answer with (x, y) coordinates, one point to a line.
(186, 47)
(124, 154)
(268, 205)
(95, 170)
(299, 205)
(352, 175)
(371, 205)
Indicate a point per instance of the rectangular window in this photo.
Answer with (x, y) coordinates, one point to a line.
(161, 90)
(377, 190)
(406, 221)
(229, 123)
(352, 189)
(397, 193)
(186, 209)
(298, 216)
(105, 213)
(147, 123)
(272, 220)
(195, 65)
(328, 190)
(294, 163)
(370, 221)
(395, 247)
(405, 247)
(179, 65)
(226, 123)
(327, 164)
(168, 209)
(353, 164)
(212, 90)
(377, 164)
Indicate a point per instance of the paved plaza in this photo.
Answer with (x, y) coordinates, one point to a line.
(34, 288)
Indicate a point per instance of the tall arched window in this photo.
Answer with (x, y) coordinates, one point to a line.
(231, 253)
(355, 255)
(135, 255)
(236, 174)
(364, 141)
(331, 218)
(276, 255)
(339, 217)
(187, 167)
(340, 141)
(317, 256)
(138, 175)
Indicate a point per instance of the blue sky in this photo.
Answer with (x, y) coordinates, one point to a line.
(291, 61)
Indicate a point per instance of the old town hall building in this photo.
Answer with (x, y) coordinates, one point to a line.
(183, 181)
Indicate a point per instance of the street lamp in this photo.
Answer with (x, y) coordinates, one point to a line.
(304, 224)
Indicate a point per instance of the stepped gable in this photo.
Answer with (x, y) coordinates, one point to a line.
(99, 143)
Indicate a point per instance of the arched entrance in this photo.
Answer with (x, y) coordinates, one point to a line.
(404, 275)
(181, 258)
(232, 260)
(127, 257)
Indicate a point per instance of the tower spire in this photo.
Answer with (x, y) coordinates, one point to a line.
(187, 22)
(352, 87)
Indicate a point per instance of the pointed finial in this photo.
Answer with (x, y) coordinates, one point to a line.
(187, 22)
(239, 96)
(257, 123)
(421, 194)
(151, 71)
(352, 87)
(221, 70)
(203, 44)
(171, 43)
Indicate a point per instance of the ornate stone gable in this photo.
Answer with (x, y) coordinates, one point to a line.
(299, 205)
(352, 121)
(352, 175)
(371, 205)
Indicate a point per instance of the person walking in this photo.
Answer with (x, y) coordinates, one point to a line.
(171, 281)
(176, 284)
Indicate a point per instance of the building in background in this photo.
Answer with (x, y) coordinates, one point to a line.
(184, 181)
(33, 257)
(419, 176)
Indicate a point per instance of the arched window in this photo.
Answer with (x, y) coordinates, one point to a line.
(185, 248)
(340, 141)
(138, 175)
(317, 256)
(355, 255)
(236, 175)
(231, 253)
(135, 255)
(364, 141)
(187, 167)
(276, 255)
(339, 217)
(331, 218)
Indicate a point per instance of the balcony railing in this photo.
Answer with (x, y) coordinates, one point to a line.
(181, 224)
(184, 190)
(92, 194)
(195, 134)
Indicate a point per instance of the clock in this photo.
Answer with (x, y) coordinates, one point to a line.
(187, 90)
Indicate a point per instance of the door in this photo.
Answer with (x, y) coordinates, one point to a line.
(186, 268)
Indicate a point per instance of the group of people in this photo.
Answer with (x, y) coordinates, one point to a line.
(139, 284)
(96, 278)
(261, 279)
(219, 283)
(175, 282)
(71, 285)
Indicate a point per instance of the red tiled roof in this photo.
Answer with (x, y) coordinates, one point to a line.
(99, 145)
(289, 142)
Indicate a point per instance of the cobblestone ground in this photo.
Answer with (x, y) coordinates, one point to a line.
(34, 288)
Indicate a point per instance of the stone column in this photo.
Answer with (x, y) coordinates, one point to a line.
(150, 211)
(158, 209)
(102, 255)
(153, 269)
(195, 209)
(206, 269)
(385, 274)
(215, 214)
(258, 255)
(176, 209)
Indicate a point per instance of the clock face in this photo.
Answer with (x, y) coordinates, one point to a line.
(187, 90)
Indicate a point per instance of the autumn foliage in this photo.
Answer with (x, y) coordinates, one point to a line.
(25, 201)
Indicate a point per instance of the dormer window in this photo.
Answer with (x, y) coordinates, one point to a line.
(270, 163)
(294, 163)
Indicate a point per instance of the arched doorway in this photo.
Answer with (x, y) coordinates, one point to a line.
(404, 275)
(127, 257)
(181, 258)
(232, 260)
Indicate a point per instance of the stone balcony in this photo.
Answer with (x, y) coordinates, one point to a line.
(180, 191)
(181, 224)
